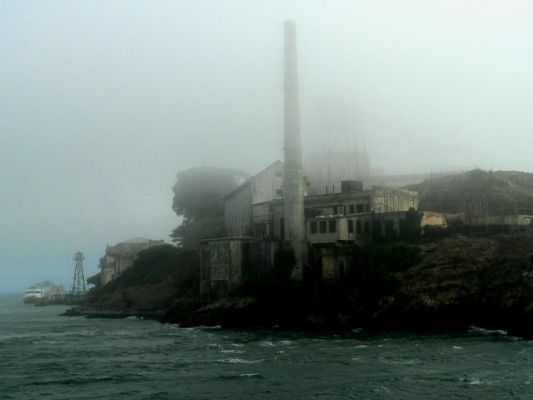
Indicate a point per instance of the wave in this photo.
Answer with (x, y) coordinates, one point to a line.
(233, 351)
(251, 375)
(209, 327)
(239, 361)
(72, 380)
(477, 329)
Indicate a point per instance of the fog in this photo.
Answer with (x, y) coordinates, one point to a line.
(103, 102)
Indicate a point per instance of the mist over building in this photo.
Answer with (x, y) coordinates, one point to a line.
(315, 218)
(341, 158)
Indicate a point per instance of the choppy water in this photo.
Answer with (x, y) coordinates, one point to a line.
(46, 356)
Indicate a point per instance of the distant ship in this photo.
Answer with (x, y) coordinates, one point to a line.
(32, 294)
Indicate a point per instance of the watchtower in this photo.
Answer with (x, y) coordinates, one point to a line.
(78, 284)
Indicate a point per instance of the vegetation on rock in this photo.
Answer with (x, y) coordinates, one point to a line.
(474, 189)
(158, 276)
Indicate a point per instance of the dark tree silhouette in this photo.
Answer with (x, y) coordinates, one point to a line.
(199, 198)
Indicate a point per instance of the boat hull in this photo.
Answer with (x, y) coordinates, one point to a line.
(30, 299)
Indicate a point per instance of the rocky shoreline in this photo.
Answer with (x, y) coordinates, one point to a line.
(451, 284)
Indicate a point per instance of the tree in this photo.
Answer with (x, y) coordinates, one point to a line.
(199, 198)
(410, 226)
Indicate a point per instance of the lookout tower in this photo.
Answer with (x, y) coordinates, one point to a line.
(78, 284)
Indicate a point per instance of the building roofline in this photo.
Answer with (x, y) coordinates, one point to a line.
(246, 183)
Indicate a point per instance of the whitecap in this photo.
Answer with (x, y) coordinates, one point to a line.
(45, 342)
(209, 327)
(239, 361)
(135, 317)
(472, 381)
(457, 348)
(484, 331)
(250, 375)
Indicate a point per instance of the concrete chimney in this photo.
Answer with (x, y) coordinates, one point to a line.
(293, 184)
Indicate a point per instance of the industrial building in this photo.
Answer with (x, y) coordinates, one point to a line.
(263, 187)
(121, 256)
(273, 210)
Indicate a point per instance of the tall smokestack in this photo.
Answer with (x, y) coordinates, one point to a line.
(293, 184)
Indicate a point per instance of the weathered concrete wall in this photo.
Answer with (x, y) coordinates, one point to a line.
(334, 263)
(519, 219)
(227, 263)
(237, 211)
(267, 184)
(432, 218)
(350, 228)
(393, 200)
(261, 188)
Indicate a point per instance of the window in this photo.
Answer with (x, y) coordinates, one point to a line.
(332, 226)
(360, 208)
(322, 226)
(358, 227)
(352, 209)
(350, 226)
(313, 227)
(367, 227)
(367, 207)
(341, 269)
(335, 210)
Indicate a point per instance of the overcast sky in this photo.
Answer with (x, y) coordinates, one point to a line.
(103, 102)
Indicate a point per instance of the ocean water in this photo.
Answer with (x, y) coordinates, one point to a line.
(44, 356)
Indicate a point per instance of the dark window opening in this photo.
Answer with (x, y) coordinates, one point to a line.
(360, 208)
(367, 207)
(351, 208)
(335, 209)
(313, 226)
(322, 226)
(282, 228)
(332, 226)
(367, 227)
(342, 272)
(350, 226)
(358, 227)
